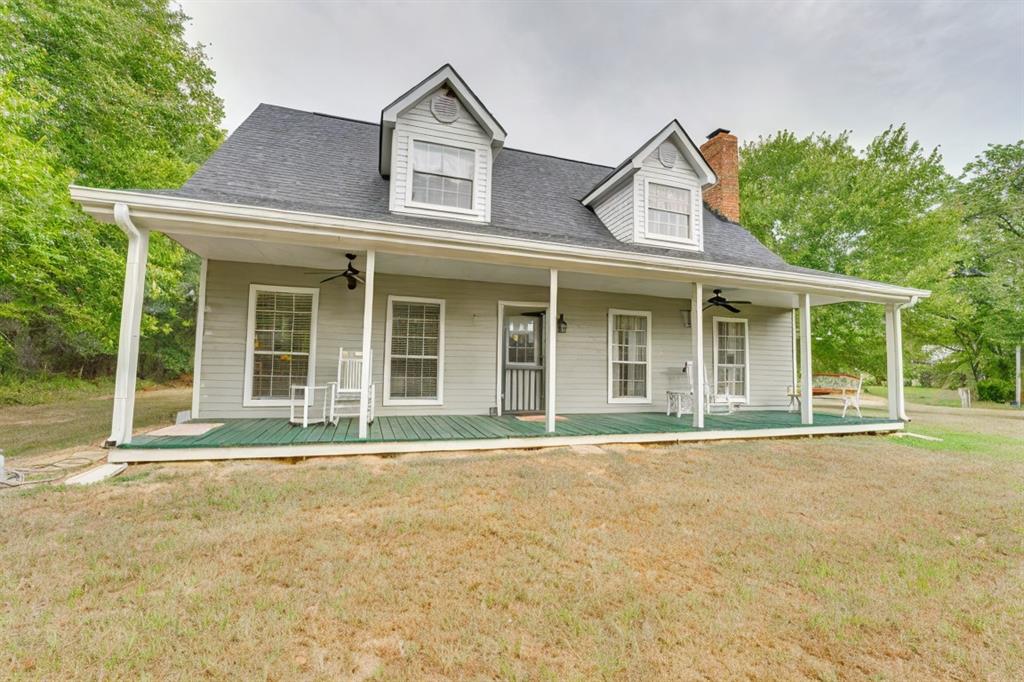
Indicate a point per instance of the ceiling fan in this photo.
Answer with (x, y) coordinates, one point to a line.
(351, 274)
(723, 302)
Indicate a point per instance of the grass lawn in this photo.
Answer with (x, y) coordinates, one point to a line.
(81, 417)
(830, 558)
(938, 397)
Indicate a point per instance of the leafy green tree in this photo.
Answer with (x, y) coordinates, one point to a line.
(878, 214)
(105, 94)
(984, 316)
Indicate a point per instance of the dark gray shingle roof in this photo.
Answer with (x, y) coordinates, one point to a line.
(295, 160)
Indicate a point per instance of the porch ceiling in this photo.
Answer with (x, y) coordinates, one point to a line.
(332, 259)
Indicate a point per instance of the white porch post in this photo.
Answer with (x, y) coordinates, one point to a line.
(552, 335)
(197, 357)
(894, 364)
(364, 382)
(131, 320)
(806, 373)
(697, 341)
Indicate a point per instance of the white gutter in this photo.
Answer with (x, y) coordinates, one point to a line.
(201, 216)
(131, 319)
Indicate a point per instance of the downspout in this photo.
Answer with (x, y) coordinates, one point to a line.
(131, 318)
(900, 307)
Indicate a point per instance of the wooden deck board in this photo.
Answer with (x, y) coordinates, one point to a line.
(427, 428)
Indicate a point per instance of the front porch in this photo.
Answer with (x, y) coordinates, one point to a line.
(268, 438)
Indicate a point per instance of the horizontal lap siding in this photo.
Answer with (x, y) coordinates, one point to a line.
(471, 310)
(470, 343)
(227, 308)
(616, 212)
(680, 174)
(770, 340)
(465, 132)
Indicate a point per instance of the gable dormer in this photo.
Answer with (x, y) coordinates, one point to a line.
(438, 145)
(655, 197)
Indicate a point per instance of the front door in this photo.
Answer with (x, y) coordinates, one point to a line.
(522, 362)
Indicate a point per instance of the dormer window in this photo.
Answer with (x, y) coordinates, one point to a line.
(442, 175)
(668, 212)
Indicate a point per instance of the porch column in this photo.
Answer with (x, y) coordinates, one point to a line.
(806, 373)
(131, 319)
(697, 341)
(551, 333)
(197, 356)
(894, 358)
(364, 382)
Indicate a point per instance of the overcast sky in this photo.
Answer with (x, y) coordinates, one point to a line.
(592, 81)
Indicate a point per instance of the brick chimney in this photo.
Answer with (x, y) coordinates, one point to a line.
(723, 155)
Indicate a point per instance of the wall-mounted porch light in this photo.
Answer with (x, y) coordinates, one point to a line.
(685, 313)
(563, 326)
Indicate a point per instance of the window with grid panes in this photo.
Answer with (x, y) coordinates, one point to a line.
(629, 348)
(415, 350)
(731, 358)
(668, 211)
(282, 334)
(442, 175)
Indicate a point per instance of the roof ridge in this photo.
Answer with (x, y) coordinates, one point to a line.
(377, 125)
(556, 156)
(316, 113)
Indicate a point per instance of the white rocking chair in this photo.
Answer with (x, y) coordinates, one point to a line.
(345, 394)
(724, 404)
(683, 401)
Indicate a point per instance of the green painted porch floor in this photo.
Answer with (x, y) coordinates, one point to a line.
(276, 432)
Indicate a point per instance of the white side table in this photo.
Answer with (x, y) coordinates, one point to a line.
(308, 398)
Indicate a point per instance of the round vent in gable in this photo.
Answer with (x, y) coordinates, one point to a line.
(667, 154)
(444, 107)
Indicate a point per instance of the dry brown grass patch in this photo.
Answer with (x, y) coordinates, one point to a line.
(852, 558)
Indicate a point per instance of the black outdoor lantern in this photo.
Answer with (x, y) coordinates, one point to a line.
(562, 324)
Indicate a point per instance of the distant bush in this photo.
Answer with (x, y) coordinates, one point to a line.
(995, 390)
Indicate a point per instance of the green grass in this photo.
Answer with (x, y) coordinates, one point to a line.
(937, 397)
(81, 417)
(49, 388)
(967, 441)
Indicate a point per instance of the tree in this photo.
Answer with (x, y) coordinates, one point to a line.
(878, 214)
(985, 318)
(102, 94)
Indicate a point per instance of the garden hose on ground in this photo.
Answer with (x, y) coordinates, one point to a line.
(34, 474)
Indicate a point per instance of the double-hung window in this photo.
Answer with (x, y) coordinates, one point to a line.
(442, 175)
(668, 212)
(280, 343)
(732, 361)
(414, 366)
(629, 356)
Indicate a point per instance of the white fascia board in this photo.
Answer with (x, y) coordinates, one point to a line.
(213, 218)
(672, 131)
(446, 74)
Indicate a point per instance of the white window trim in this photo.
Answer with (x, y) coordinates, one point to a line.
(250, 338)
(716, 396)
(388, 400)
(646, 400)
(643, 237)
(474, 209)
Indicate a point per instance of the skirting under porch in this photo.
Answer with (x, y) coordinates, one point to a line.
(270, 438)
